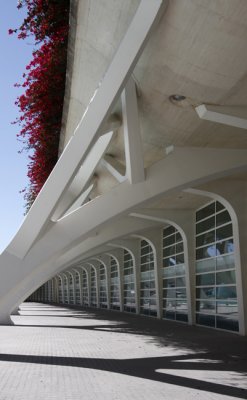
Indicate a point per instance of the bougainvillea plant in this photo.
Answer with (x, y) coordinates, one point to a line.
(41, 104)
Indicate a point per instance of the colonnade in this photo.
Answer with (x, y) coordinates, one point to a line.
(163, 272)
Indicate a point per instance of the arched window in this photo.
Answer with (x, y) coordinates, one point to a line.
(65, 290)
(77, 289)
(174, 284)
(115, 298)
(71, 289)
(216, 294)
(102, 287)
(148, 303)
(93, 300)
(129, 283)
(60, 290)
(85, 299)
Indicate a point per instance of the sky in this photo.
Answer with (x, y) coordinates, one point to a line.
(15, 55)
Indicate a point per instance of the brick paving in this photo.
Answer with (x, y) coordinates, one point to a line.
(64, 353)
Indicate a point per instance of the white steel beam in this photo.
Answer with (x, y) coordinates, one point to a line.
(115, 168)
(90, 126)
(218, 114)
(132, 136)
(83, 177)
(81, 199)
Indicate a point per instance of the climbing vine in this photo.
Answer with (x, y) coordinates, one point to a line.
(41, 104)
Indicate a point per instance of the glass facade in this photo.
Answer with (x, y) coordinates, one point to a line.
(216, 293)
(115, 285)
(93, 299)
(65, 290)
(85, 288)
(129, 283)
(77, 289)
(60, 291)
(175, 304)
(71, 290)
(102, 287)
(148, 304)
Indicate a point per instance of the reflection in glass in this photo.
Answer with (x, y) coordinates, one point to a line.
(205, 279)
(205, 265)
(225, 278)
(207, 307)
(225, 262)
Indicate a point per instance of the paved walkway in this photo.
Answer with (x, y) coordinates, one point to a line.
(69, 354)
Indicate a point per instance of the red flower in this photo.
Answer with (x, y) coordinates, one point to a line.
(41, 104)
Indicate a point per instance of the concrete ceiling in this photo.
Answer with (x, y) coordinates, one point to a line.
(198, 50)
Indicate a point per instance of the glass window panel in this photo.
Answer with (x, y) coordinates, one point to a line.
(227, 323)
(171, 305)
(181, 293)
(225, 278)
(145, 250)
(180, 269)
(205, 265)
(145, 293)
(179, 248)
(144, 268)
(205, 225)
(226, 262)
(205, 252)
(169, 230)
(207, 307)
(145, 276)
(151, 274)
(178, 237)
(227, 307)
(169, 251)
(181, 305)
(169, 293)
(224, 232)
(147, 258)
(205, 211)
(205, 279)
(181, 316)
(169, 314)
(205, 293)
(222, 218)
(219, 206)
(207, 320)
(205, 238)
(169, 283)
(168, 241)
(225, 247)
(148, 284)
(180, 282)
(169, 271)
(226, 292)
(168, 262)
(180, 259)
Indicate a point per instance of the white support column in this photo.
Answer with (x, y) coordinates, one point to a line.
(132, 135)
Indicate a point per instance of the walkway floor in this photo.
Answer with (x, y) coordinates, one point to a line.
(69, 354)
